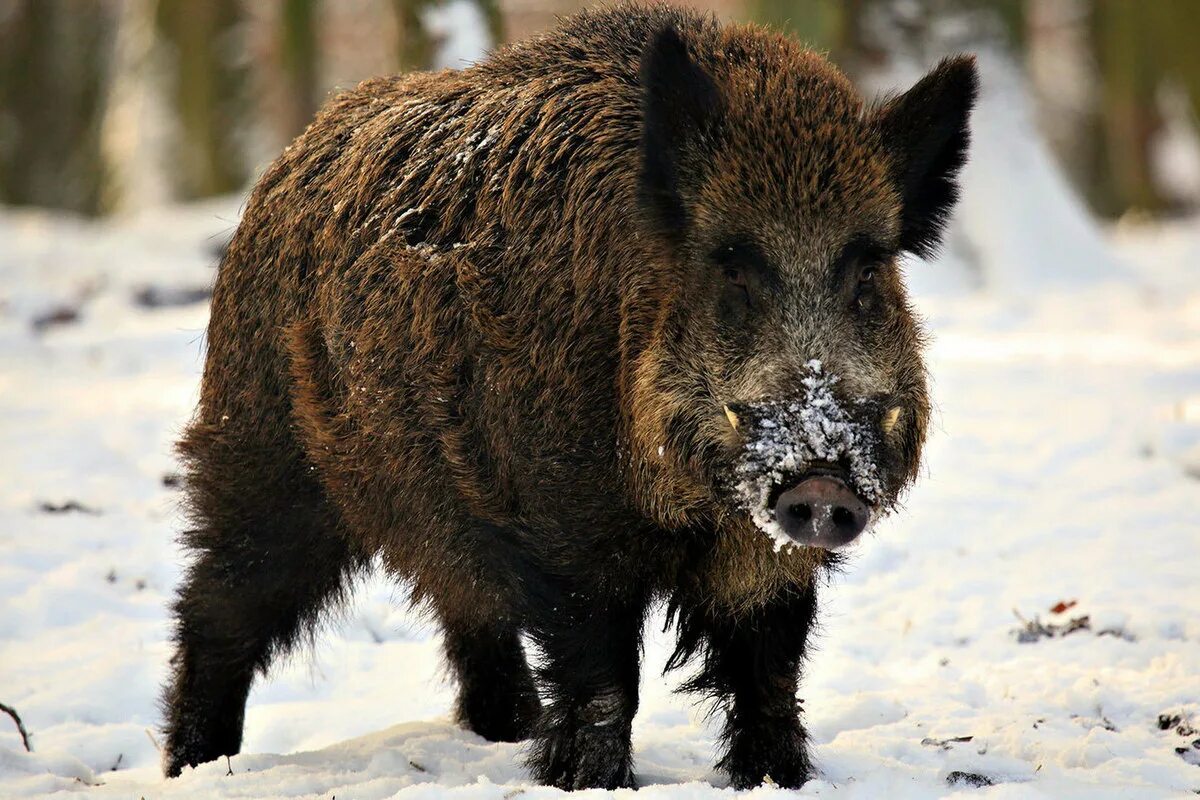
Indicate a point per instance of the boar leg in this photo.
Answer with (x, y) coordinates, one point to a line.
(497, 698)
(751, 663)
(267, 560)
(590, 681)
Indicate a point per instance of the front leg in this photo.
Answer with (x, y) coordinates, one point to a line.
(591, 648)
(751, 663)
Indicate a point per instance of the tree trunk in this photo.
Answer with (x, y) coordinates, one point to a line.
(54, 64)
(207, 84)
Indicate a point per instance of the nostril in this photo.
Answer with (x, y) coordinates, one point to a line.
(843, 517)
(821, 511)
(800, 511)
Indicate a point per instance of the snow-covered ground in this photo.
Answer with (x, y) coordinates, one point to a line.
(1065, 466)
(1064, 469)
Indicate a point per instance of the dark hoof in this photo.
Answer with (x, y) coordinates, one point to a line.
(779, 757)
(584, 757)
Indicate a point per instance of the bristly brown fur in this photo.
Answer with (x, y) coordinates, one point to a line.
(461, 329)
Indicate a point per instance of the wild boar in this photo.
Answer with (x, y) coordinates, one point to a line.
(613, 317)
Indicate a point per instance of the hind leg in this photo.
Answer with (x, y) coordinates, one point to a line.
(497, 698)
(267, 561)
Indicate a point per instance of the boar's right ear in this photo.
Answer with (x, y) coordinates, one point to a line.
(925, 130)
(680, 102)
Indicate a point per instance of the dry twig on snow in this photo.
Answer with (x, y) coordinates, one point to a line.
(12, 712)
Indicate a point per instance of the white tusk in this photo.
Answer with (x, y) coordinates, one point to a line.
(890, 419)
(732, 417)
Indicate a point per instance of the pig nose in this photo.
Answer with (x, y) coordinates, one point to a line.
(821, 511)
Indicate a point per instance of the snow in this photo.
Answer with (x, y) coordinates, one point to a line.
(1063, 466)
(1019, 225)
(1175, 150)
(1019, 221)
(460, 33)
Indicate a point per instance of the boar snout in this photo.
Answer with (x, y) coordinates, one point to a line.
(821, 511)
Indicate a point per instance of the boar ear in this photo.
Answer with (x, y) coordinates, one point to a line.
(926, 132)
(679, 103)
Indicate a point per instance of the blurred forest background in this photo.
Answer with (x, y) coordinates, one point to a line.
(113, 105)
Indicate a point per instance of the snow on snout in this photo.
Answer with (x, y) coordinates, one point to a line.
(784, 437)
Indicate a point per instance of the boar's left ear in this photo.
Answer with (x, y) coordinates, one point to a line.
(680, 102)
(926, 132)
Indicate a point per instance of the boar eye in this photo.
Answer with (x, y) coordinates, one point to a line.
(737, 259)
(735, 284)
(865, 287)
(857, 267)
